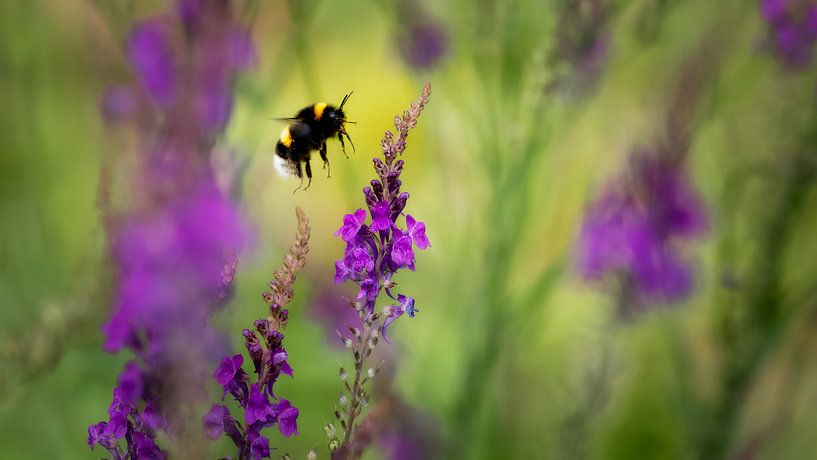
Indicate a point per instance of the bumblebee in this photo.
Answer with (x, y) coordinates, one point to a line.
(307, 131)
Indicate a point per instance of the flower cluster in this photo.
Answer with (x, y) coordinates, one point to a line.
(185, 66)
(377, 247)
(174, 247)
(376, 250)
(129, 420)
(793, 26)
(630, 231)
(270, 361)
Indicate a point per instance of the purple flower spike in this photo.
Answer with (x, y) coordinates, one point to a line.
(632, 230)
(351, 225)
(374, 254)
(287, 418)
(152, 56)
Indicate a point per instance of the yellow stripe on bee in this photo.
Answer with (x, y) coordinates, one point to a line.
(318, 109)
(286, 137)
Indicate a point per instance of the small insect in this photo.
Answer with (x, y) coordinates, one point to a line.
(308, 131)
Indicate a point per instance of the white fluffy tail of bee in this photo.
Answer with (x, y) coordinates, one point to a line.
(285, 168)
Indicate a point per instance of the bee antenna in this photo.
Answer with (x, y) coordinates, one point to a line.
(345, 98)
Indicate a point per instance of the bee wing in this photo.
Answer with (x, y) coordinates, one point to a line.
(300, 130)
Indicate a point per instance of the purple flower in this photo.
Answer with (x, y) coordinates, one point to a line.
(424, 45)
(287, 418)
(213, 421)
(380, 216)
(774, 11)
(628, 231)
(342, 272)
(351, 225)
(369, 288)
(793, 28)
(228, 368)
(392, 312)
(258, 407)
(146, 448)
(130, 384)
(402, 253)
(170, 266)
(358, 259)
(152, 56)
(259, 444)
(96, 435)
(373, 256)
(417, 232)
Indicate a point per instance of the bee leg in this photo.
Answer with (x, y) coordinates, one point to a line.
(308, 174)
(325, 161)
(342, 145)
(300, 174)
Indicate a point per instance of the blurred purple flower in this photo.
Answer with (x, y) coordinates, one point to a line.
(793, 28)
(424, 44)
(170, 269)
(175, 248)
(151, 53)
(631, 228)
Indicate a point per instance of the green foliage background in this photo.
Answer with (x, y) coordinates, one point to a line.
(508, 338)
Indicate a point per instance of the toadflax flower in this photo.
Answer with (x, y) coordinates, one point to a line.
(633, 229)
(380, 242)
(269, 358)
(793, 29)
(174, 248)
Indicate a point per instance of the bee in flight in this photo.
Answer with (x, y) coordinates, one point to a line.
(308, 131)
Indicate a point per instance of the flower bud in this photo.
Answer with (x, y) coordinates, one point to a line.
(343, 374)
(330, 430)
(371, 372)
(343, 400)
(311, 455)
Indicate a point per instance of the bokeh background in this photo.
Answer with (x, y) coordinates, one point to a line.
(535, 106)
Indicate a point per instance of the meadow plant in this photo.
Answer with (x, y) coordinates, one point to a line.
(174, 248)
(632, 232)
(377, 248)
(269, 358)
